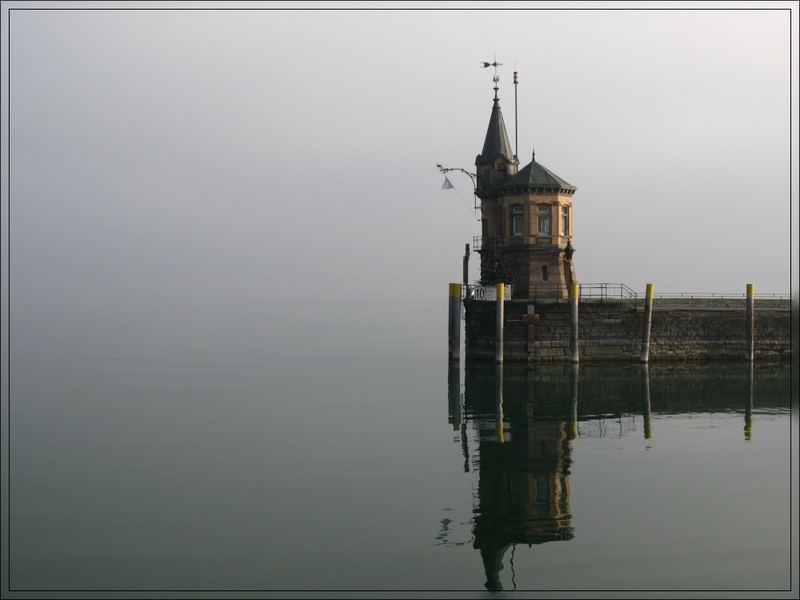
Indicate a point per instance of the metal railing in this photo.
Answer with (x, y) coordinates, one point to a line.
(495, 240)
(625, 292)
(722, 296)
(607, 290)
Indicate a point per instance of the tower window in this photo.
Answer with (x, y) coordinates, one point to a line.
(544, 218)
(545, 274)
(516, 221)
(564, 220)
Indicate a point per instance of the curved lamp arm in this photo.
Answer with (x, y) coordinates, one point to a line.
(473, 177)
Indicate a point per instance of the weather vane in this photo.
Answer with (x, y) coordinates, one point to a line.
(496, 77)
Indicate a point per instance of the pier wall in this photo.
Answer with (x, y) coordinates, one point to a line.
(611, 329)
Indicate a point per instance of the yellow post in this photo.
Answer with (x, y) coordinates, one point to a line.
(574, 295)
(750, 322)
(498, 349)
(648, 317)
(454, 322)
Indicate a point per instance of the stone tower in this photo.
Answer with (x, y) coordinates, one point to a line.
(526, 219)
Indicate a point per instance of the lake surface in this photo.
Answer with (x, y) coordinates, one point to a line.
(340, 470)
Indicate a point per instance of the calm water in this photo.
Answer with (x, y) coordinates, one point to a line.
(378, 472)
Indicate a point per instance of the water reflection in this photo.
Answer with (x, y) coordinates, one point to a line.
(455, 410)
(523, 485)
(525, 422)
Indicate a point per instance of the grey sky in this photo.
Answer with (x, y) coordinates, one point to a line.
(178, 164)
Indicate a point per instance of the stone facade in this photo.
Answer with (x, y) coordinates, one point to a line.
(535, 259)
(526, 216)
(682, 329)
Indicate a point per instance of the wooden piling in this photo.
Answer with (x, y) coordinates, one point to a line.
(749, 321)
(648, 430)
(498, 350)
(574, 294)
(648, 317)
(748, 407)
(454, 323)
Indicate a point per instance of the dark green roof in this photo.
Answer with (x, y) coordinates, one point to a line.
(496, 142)
(534, 175)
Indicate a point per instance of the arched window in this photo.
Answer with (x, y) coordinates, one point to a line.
(516, 220)
(545, 225)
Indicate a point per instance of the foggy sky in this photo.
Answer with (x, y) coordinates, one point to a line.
(234, 173)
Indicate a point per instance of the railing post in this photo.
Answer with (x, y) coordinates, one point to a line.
(750, 321)
(574, 293)
(648, 316)
(454, 323)
(498, 350)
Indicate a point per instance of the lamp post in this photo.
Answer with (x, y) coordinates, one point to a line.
(473, 177)
(447, 185)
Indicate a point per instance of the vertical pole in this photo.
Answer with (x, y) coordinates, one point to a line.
(748, 408)
(648, 317)
(465, 275)
(648, 431)
(516, 136)
(498, 349)
(750, 321)
(573, 314)
(454, 323)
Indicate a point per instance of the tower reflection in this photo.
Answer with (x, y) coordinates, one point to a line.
(524, 458)
(517, 427)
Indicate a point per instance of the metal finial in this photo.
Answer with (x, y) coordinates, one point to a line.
(496, 77)
(516, 132)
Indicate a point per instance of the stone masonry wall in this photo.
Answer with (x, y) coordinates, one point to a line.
(682, 329)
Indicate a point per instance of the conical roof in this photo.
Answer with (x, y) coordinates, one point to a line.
(534, 175)
(496, 142)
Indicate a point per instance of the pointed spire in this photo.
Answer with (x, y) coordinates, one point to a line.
(496, 142)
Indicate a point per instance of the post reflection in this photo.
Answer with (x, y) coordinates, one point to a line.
(455, 410)
(748, 407)
(572, 422)
(648, 428)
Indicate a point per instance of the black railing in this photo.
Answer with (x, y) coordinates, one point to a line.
(607, 290)
(722, 296)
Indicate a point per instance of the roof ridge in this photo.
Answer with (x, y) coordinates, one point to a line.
(535, 174)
